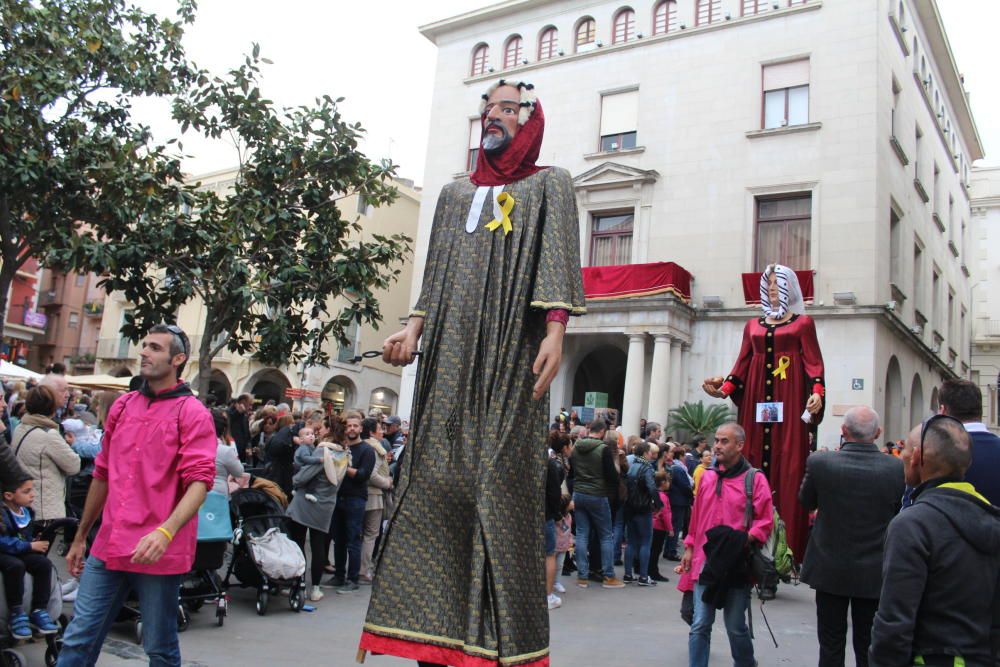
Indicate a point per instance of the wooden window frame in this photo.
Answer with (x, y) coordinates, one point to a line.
(517, 43)
(623, 27)
(588, 26)
(785, 219)
(697, 12)
(617, 234)
(662, 13)
(763, 106)
(548, 43)
(480, 59)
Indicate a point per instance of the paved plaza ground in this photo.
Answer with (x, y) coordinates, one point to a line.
(635, 627)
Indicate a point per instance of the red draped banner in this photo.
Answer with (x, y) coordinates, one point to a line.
(603, 283)
(751, 287)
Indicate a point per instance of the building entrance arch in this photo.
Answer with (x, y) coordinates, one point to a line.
(340, 392)
(602, 370)
(268, 384)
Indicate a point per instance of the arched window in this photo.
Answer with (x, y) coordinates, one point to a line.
(586, 34)
(754, 7)
(624, 27)
(548, 43)
(665, 17)
(512, 52)
(480, 59)
(707, 11)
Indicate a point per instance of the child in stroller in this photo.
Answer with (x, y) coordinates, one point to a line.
(23, 555)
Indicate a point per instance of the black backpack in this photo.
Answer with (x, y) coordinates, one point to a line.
(637, 497)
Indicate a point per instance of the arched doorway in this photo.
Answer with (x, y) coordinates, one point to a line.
(384, 399)
(220, 388)
(935, 403)
(893, 401)
(122, 372)
(917, 409)
(603, 370)
(340, 392)
(268, 384)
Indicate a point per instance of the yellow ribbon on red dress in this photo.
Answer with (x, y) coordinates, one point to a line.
(783, 364)
(506, 203)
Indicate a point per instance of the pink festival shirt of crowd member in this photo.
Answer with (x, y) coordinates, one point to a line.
(710, 511)
(152, 451)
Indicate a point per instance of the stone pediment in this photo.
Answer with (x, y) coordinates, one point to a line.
(614, 175)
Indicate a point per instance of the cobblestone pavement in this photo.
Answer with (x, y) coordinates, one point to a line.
(635, 627)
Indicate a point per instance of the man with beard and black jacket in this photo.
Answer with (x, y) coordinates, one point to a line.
(940, 602)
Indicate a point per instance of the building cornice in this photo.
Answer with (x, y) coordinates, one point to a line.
(930, 19)
(491, 12)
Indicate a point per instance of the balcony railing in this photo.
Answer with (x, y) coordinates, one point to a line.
(116, 348)
(987, 328)
(93, 308)
(223, 355)
(83, 360)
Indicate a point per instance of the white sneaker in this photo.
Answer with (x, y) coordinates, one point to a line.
(554, 601)
(71, 596)
(316, 594)
(70, 585)
(559, 588)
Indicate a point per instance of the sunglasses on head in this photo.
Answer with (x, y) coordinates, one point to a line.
(926, 424)
(177, 331)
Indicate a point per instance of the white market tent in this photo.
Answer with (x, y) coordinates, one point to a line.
(98, 382)
(10, 371)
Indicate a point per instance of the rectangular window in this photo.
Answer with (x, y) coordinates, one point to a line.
(619, 120)
(896, 89)
(918, 275)
(347, 352)
(917, 152)
(752, 7)
(81, 280)
(708, 11)
(364, 208)
(935, 295)
(74, 320)
(611, 239)
(784, 227)
(895, 249)
(785, 94)
(475, 137)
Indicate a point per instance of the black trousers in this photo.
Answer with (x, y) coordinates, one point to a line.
(831, 626)
(681, 515)
(655, 551)
(14, 568)
(318, 543)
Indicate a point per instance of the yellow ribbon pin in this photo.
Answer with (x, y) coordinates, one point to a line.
(506, 203)
(783, 364)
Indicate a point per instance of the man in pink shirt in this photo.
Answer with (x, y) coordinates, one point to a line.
(156, 464)
(722, 501)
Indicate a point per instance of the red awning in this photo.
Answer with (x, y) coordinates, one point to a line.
(603, 283)
(751, 286)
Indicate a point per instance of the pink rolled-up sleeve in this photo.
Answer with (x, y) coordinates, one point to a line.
(763, 510)
(198, 445)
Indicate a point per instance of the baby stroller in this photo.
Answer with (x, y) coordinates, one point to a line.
(9, 655)
(263, 556)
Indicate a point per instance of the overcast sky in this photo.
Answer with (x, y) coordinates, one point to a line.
(371, 54)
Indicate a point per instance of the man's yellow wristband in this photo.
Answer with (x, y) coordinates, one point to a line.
(166, 532)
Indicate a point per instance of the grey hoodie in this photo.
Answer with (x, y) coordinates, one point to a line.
(940, 593)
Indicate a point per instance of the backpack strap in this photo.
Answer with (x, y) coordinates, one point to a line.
(748, 512)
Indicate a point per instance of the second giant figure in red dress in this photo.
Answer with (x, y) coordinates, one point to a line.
(779, 363)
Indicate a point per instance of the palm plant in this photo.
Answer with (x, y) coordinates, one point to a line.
(694, 419)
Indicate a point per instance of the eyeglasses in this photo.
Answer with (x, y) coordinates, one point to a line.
(926, 424)
(177, 331)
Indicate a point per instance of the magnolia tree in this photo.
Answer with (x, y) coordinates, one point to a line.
(75, 168)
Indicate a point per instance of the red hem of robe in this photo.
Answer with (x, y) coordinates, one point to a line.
(413, 650)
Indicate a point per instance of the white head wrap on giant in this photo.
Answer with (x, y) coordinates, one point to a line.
(789, 293)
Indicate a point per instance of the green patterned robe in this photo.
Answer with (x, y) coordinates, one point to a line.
(462, 563)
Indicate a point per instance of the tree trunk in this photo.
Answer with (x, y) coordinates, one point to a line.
(7, 272)
(204, 365)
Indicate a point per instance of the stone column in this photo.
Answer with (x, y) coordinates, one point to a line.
(685, 372)
(659, 381)
(677, 392)
(635, 372)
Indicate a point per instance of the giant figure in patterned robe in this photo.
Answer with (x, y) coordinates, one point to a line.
(460, 579)
(780, 362)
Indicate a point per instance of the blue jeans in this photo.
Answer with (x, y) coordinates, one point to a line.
(101, 595)
(619, 531)
(735, 616)
(593, 510)
(640, 539)
(348, 527)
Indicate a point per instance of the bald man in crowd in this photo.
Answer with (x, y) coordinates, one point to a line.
(857, 491)
(940, 602)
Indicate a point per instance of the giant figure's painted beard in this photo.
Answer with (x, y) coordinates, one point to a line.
(494, 144)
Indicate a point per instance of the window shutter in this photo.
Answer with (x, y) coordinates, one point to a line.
(786, 75)
(475, 133)
(619, 113)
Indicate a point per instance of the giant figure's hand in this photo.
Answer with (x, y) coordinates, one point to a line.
(398, 348)
(712, 386)
(814, 404)
(548, 359)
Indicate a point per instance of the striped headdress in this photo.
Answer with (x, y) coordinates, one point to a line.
(789, 292)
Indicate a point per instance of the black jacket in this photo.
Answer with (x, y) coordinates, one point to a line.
(857, 491)
(725, 564)
(239, 428)
(554, 476)
(362, 460)
(940, 593)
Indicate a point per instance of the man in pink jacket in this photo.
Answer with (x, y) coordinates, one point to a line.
(156, 464)
(722, 501)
